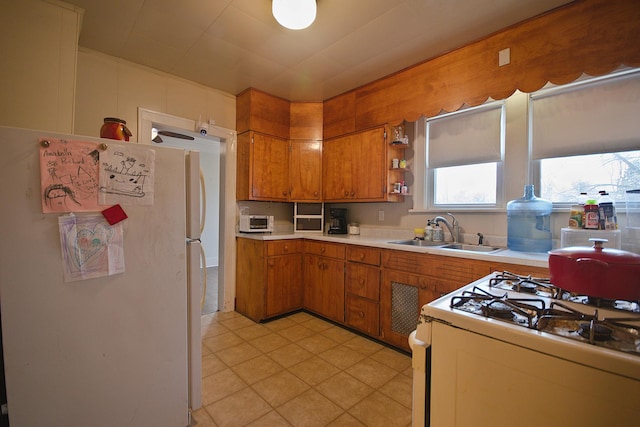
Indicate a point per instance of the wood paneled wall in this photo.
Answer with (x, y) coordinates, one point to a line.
(587, 36)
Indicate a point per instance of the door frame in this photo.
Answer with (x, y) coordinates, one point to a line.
(227, 225)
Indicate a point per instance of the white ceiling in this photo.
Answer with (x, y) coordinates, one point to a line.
(235, 44)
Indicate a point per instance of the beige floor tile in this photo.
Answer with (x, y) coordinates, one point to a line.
(344, 390)
(345, 420)
(238, 409)
(363, 345)
(256, 369)
(256, 330)
(282, 323)
(379, 410)
(211, 364)
(299, 370)
(301, 317)
(296, 332)
(242, 352)
(317, 325)
(225, 315)
(290, 355)
(399, 389)
(392, 358)
(371, 372)
(222, 341)
(237, 323)
(338, 334)
(201, 418)
(280, 388)
(314, 370)
(341, 357)
(272, 419)
(310, 409)
(316, 343)
(220, 385)
(269, 342)
(213, 329)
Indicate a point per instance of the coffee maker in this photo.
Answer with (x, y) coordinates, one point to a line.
(337, 221)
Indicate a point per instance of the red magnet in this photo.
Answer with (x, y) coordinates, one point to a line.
(114, 214)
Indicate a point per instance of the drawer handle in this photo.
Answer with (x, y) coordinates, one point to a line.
(362, 314)
(362, 281)
(322, 249)
(286, 248)
(362, 255)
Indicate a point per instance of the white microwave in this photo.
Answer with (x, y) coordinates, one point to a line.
(256, 224)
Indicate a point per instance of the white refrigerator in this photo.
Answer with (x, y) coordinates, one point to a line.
(118, 350)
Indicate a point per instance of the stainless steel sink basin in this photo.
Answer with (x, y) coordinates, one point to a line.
(415, 242)
(470, 248)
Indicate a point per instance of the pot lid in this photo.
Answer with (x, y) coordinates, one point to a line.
(613, 256)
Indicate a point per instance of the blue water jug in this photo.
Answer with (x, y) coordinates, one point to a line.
(529, 223)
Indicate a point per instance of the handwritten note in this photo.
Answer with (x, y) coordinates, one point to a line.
(90, 247)
(69, 176)
(127, 175)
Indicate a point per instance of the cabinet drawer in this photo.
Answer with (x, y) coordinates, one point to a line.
(283, 247)
(364, 255)
(410, 262)
(331, 250)
(363, 315)
(363, 280)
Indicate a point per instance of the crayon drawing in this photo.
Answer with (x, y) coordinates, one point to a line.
(90, 247)
(69, 176)
(126, 175)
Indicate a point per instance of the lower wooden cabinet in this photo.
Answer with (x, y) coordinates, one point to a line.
(362, 288)
(374, 291)
(324, 285)
(268, 277)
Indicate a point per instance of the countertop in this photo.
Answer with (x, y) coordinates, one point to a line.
(502, 255)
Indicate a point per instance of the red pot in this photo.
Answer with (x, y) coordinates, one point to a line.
(596, 272)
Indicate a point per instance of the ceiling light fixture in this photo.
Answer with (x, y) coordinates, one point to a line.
(294, 14)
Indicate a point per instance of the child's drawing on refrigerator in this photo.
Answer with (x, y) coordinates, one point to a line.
(68, 176)
(126, 175)
(90, 247)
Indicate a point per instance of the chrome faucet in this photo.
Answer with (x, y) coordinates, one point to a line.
(452, 226)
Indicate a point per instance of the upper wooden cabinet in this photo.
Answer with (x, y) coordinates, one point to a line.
(305, 171)
(262, 168)
(354, 167)
(306, 121)
(261, 112)
(305, 164)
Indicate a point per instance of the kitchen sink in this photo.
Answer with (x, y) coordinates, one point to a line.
(416, 242)
(470, 248)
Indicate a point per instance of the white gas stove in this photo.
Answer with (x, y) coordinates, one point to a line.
(510, 348)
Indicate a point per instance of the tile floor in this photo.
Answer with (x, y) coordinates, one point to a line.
(299, 370)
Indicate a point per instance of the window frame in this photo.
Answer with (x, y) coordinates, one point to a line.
(424, 200)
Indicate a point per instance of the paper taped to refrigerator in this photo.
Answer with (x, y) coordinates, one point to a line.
(126, 175)
(68, 175)
(90, 247)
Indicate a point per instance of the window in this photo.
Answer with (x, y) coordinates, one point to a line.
(585, 137)
(464, 154)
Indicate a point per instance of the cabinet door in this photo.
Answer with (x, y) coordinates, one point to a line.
(269, 168)
(305, 171)
(337, 173)
(370, 166)
(284, 284)
(402, 295)
(324, 286)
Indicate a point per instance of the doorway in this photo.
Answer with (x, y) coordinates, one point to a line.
(209, 149)
(217, 159)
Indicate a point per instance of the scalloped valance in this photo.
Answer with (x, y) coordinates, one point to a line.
(593, 37)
